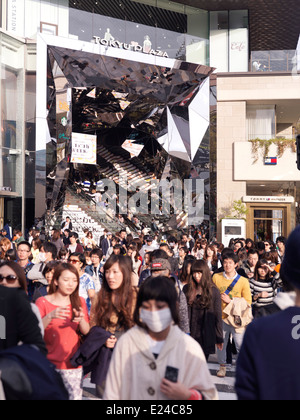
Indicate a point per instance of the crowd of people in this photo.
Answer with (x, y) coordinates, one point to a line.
(139, 307)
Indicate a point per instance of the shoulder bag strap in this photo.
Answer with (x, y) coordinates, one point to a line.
(230, 288)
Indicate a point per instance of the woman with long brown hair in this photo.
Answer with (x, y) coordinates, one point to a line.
(211, 258)
(64, 315)
(132, 252)
(204, 307)
(57, 240)
(114, 305)
(197, 250)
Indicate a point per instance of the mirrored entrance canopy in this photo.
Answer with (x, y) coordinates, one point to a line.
(150, 117)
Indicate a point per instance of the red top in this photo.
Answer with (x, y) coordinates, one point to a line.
(61, 336)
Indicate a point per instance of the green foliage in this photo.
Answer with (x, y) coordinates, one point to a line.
(238, 210)
(264, 146)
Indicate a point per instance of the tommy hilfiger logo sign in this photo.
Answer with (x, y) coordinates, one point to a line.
(271, 161)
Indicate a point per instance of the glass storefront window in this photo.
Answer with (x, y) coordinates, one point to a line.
(85, 26)
(8, 101)
(12, 133)
(219, 24)
(229, 43)
(238, 41)
(268, 214)
(12, 112)
(184, 32)
(268, 224)
(274, 61)
(81, 25)
(261, 122)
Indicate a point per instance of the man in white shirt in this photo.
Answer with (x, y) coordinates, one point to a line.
(148, 247)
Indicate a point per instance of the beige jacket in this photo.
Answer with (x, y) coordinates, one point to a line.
(135, 374)
(239, 314)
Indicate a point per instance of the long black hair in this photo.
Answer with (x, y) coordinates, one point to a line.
(161, 289)
(200, 266)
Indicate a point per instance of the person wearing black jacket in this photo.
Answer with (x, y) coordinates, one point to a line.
(67, 224)
(268, 366)
(106, 243)
(26, 373)
(18, 323)
(204, 308)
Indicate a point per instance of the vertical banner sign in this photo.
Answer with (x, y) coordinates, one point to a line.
(84, 149)
(16, 16)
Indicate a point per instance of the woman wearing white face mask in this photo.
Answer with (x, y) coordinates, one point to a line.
(155, 360)
(48, 253)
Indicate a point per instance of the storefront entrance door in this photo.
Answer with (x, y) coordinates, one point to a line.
(267, 222)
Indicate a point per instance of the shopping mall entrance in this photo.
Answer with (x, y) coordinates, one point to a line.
(110, 112)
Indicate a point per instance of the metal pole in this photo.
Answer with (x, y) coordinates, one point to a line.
(23, 140)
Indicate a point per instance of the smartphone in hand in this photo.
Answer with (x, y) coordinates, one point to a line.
(172, 374)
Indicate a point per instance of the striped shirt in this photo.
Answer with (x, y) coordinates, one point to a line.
(258, 287)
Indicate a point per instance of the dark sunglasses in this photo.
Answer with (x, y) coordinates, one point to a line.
(10, 279)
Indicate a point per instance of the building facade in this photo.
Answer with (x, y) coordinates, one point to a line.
(257, 122)
(244, 41)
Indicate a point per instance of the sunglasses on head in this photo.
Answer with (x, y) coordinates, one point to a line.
(10, 279)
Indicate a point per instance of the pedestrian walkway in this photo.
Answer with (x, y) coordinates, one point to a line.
(225, 386)
(89, 390)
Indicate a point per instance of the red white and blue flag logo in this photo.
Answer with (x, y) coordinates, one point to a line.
(271, 161)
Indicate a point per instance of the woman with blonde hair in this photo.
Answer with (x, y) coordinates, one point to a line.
(5, 245)
(35, 250)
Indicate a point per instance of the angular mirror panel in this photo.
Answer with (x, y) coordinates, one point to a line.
(149, 122)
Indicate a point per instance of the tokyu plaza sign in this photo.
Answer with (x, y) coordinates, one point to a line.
(130, 47)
